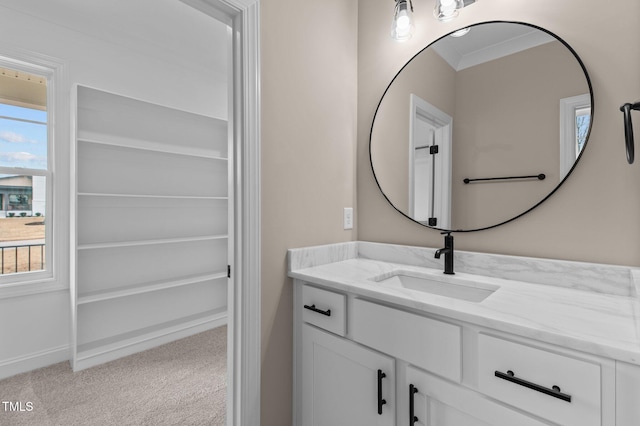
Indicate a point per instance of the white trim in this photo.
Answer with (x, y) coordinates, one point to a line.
(244, 351)
(54, 277)
(458, 62)
(568, 107)
(29, 362)
(110, 352)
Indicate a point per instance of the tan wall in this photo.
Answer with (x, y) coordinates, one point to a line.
(507, 123)
(309, 83)
(595, 215)
(309, 110)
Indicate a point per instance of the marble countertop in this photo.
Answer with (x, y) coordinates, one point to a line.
(587, 307)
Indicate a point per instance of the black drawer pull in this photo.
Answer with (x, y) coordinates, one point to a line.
(412, 417)
(554, 391)
(381, 401)
(314, 309)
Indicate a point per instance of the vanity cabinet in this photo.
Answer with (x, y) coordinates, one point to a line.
(433, 401)
(345, 383)
(563, 389)
(439, 372)
(627, 394)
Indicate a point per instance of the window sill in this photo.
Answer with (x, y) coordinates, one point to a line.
(29, 288)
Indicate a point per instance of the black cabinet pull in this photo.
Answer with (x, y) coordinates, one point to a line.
(314, 309)
(381, 401)
(554, 391)
(412, 417)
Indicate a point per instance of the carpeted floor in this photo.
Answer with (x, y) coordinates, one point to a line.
(180, 383)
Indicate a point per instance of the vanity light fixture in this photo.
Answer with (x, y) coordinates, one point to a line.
(445, 10)
(461, 32)
(402, 26)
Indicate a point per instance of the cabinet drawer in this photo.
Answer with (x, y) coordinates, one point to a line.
(424, 342)
(324, 309)
(525, 377)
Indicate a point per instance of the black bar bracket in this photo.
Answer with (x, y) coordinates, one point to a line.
(381, 401)
(628, 129)
(554, 391)
(540, 176)
(320, 311)
(412, 414)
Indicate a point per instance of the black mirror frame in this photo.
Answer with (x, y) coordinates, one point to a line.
(588, 79)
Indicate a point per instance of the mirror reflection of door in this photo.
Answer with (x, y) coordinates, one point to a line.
(429, 164)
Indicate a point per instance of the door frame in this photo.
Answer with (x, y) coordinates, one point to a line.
(243, 344)
(442, 174)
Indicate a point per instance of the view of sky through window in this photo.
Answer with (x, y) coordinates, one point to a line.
(23, 137)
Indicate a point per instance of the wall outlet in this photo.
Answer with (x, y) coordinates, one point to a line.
(348, 218)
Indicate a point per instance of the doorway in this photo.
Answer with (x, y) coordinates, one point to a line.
(429, 164)
(243, 361)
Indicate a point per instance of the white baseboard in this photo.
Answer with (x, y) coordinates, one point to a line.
(152, 340)
(33, 361)
(45, 358)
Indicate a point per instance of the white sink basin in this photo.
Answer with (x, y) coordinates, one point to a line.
(445, 285)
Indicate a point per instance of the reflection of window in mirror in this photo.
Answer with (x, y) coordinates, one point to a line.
(583, 118)
(575, 119)
(25, 175)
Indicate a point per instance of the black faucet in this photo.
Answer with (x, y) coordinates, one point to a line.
(448, 253)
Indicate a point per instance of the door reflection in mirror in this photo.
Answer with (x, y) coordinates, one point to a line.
(429, 164)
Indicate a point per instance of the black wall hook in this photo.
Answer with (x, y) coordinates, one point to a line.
(628, 128)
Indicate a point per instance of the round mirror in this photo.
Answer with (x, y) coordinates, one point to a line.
(477, 130)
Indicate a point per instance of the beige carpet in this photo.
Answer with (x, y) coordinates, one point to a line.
(180, 383)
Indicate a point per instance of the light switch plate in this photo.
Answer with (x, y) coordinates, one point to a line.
(348, 218)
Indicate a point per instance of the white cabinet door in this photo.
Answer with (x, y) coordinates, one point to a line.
(627, 394)
(433, 401)
(344, 383)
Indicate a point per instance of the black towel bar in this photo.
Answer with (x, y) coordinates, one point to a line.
(541, 176)
(628, 128)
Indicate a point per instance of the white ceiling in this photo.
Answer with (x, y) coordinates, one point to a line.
(487, 42)
(154, 27)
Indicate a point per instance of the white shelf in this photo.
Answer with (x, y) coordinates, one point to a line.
(99, 296)
(170, 197)
(150, 216)
(99, 246)
(85, 136)
(108, 169)
(117, 346)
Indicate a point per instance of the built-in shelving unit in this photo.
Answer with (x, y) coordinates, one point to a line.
(150, 209)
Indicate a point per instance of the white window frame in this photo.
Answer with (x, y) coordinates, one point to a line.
(568, 108)
(49, 279)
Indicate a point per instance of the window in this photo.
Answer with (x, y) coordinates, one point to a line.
(583, 120)
(25, 174)
(575, 122)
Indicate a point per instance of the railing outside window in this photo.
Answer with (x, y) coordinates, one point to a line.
(22, 258)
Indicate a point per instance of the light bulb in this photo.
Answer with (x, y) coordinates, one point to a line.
(402, 27)
(446, 10)
(461, 32)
